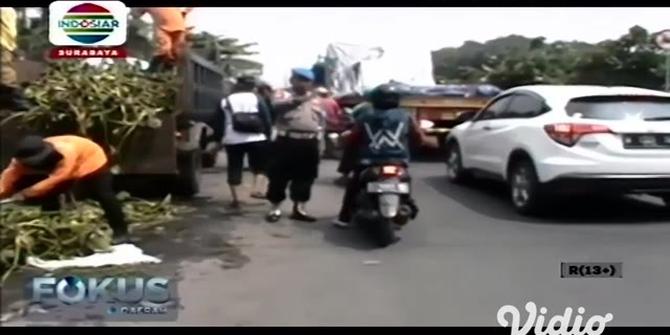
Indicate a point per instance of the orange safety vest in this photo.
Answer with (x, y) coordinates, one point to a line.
(81, 157)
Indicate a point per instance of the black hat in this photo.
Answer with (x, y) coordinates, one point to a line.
(32, 150)
(246, 79)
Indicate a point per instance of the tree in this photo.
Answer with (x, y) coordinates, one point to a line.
(510, 61)
(633, 60)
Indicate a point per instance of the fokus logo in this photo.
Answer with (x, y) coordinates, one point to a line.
(557, 325)
(88, 23)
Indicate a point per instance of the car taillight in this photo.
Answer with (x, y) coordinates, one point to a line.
(570, 133)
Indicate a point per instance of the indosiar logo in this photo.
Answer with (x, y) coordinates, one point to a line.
(88, 23)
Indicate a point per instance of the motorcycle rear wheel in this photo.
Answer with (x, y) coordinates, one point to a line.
(384, 233)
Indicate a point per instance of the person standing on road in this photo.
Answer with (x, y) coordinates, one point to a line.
(11, 94)
(300, 118)
(44, 168)
(247, 131)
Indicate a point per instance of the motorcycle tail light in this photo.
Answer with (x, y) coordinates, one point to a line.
(390, 170)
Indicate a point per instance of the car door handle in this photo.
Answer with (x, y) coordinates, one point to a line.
(488, 128)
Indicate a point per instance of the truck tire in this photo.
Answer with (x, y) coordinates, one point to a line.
(188, 178)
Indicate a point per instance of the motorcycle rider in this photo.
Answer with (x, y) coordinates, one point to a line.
(381, 134)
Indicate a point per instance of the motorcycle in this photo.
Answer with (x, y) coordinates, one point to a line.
(383, 203)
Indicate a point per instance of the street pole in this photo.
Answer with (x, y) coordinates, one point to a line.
(667, 70)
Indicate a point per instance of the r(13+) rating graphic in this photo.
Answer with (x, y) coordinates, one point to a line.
(591, 270)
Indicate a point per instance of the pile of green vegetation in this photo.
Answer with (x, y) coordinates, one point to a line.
(77, 231)
(107, 103)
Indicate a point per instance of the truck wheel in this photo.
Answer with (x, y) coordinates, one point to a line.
(188, 179)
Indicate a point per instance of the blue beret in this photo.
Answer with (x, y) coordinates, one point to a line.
(305, 73)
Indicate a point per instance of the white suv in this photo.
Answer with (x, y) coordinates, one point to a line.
(548, 139)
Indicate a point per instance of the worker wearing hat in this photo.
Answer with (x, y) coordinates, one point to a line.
(44, 168)
(295, 161)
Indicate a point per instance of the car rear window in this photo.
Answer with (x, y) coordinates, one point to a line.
(649, 108)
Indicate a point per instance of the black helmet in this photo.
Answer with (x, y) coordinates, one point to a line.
(384, 97)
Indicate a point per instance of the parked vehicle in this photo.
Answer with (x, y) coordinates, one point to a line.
(545, 140)
(382, 203)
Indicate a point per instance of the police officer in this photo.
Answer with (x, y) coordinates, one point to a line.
(295, 161)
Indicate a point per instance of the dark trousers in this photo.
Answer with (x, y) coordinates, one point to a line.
(349, 199)
(294, 162)
(96, 186)
(236, 153)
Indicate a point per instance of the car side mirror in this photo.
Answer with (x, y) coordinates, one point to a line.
(465, 116)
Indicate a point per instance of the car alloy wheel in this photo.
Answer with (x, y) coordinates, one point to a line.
(455, 171)
(521, 187)
(526, 191)
(453, 160)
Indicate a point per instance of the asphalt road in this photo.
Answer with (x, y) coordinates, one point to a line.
(466, 255)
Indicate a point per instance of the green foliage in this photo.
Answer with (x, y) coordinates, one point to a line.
(633, 59)
(105, 103)
(224, 51)
(80, 231)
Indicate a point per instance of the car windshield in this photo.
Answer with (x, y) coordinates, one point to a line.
(648, 108)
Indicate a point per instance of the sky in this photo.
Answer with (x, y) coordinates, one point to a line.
(295, 37)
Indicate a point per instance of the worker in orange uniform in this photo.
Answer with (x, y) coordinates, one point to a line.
(44, 168)
(169, 33)
(11, 95)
